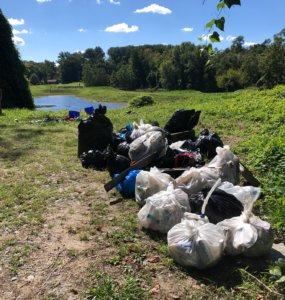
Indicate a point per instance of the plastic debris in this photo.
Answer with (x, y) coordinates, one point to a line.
(150, 183)
(164, 209)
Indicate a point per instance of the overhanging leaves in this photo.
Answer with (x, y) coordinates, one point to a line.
(211, 23)
(221, 5)
(214, 37)
(230, 3)
(210, 49)
(220, 23)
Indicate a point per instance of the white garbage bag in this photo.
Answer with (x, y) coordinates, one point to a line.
(164, 209)
(227, 164)
(150, 142)
(195, 242)
(139, 130)
(224, 165)
(241, 192)
(150, 183)
(247, 234)
(194, 180)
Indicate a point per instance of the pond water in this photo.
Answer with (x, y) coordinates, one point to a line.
(60, 102)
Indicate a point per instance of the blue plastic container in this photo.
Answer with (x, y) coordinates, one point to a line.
(74, 114)
(89, 110)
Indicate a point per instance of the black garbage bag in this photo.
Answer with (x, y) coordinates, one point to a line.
(207, 142)
(117, 140)
(93, 159)
(166, 161)
(115, 163)
(221, 205)
(182, 120)
(123, 149)
(189, 145)
(95, 133)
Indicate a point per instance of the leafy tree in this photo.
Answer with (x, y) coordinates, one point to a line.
(272, 62)
(34, 79)
(237, 44)
(70, 67)
(169, 75)
(95, 75)
(95, 55)
(230, 81)
(124, 78)
(16, 92)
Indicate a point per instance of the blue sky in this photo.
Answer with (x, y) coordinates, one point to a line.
(44, 28)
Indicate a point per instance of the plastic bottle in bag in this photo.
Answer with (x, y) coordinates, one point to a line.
(164, 209)
(195, 242)
(150, 183)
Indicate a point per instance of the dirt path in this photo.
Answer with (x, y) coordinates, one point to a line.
(58, 255)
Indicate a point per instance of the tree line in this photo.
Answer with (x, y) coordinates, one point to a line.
(186, 66)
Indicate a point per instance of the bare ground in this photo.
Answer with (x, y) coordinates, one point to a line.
(82, 232)
(63, 249)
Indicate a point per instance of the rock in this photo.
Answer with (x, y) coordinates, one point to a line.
(30, 278)
(277, 251)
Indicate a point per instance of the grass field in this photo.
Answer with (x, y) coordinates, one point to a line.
(60, 238)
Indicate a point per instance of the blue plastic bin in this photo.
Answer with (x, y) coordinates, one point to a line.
(74, 114)
(89, 110)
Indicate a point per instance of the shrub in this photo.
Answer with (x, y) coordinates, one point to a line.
(141, 101)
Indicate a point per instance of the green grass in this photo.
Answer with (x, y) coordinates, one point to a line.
(38, 166)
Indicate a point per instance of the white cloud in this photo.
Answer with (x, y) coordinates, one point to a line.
(81, 30)
(187, 29)
(248, 44)
(43, 1)
(122, 27)
(206, 37)
(230, 38)
(24, 31)
(155, 9)
(98, 1)
(18, 41)
(16, 22)
(115, 2)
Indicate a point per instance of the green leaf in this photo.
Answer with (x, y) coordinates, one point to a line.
(220, 23)
(210, 49)
(211, 23)
(214, 37)
(282, 279)
(275, 271)
(230, 3)
(281, 263)
(200, 38)
(221, 5)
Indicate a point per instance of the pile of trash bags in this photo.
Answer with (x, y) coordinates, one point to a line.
(204, 211)
(100, 148)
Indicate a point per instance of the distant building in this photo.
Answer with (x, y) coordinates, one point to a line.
(52, 81)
